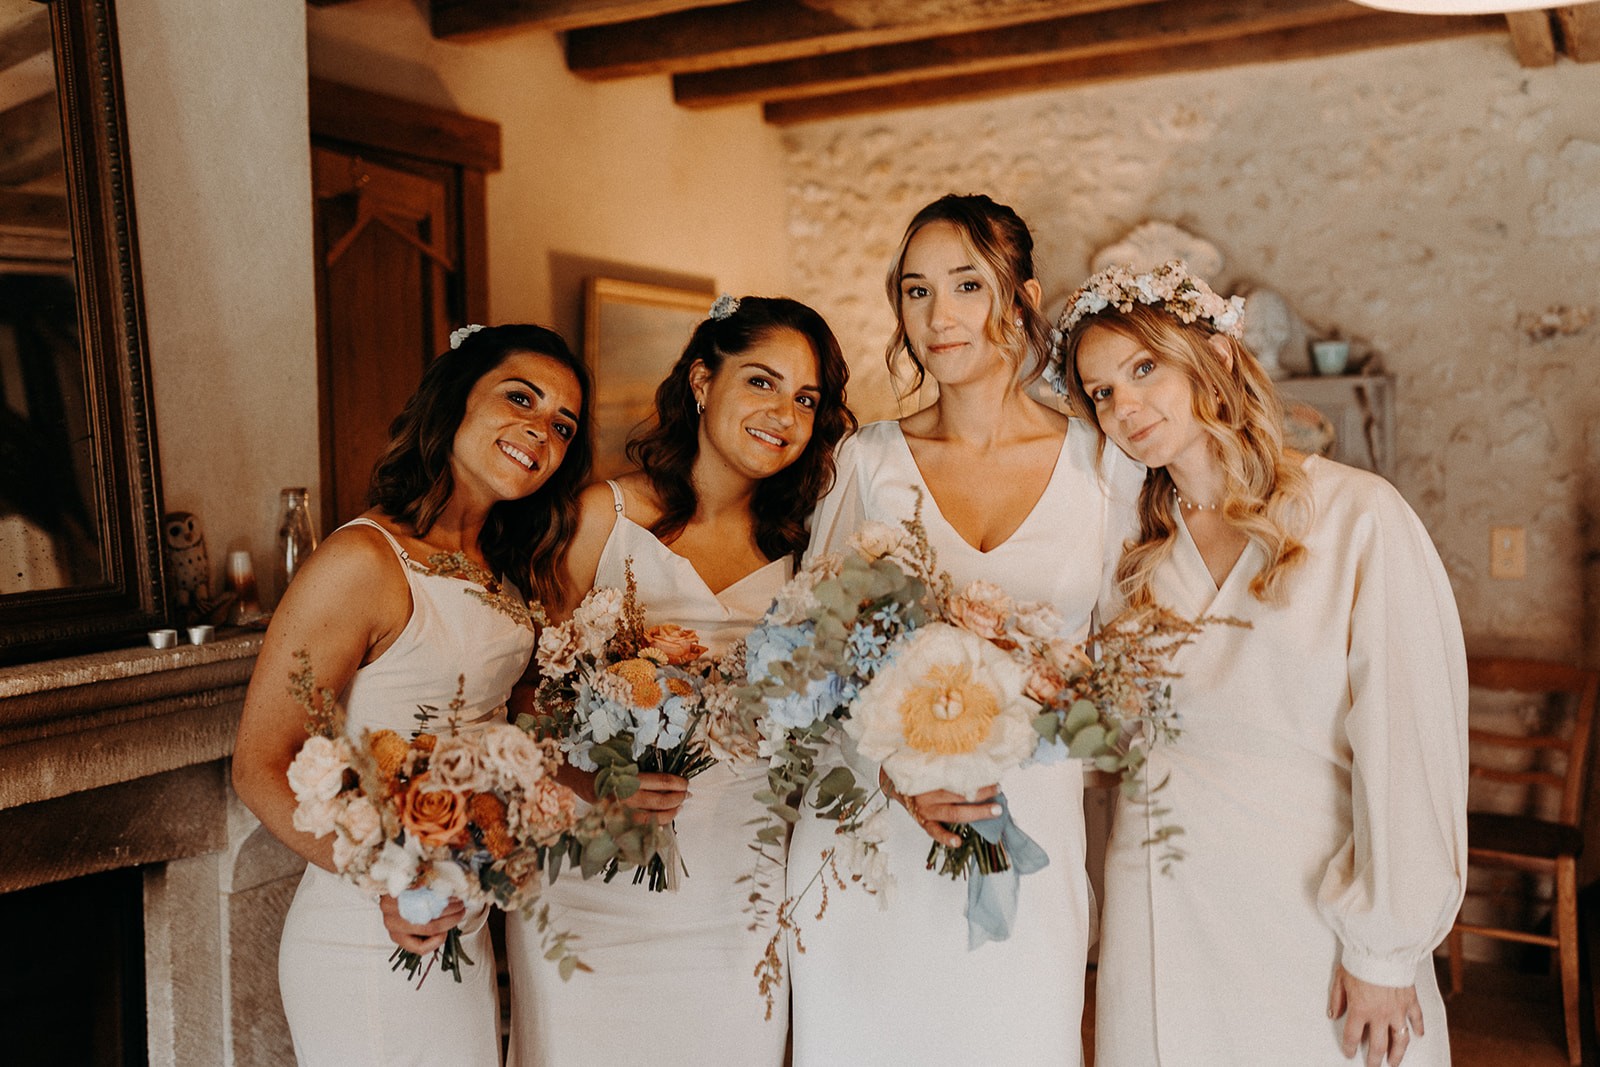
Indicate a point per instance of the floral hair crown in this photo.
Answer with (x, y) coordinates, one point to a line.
(1170, 287)
(726, 305)
(459, 336)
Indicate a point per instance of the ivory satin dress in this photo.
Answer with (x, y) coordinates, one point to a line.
(1320, 781)
(674, 972)
(896, 985)
(346, 1007)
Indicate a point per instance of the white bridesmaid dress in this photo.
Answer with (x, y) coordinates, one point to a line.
(345, 1006)
(1320, 781)
(881, 986)
(674, 972)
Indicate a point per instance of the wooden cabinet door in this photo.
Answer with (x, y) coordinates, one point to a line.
(401, 260)
(386, 269)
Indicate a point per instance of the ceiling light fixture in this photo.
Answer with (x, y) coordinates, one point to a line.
(1455, 7)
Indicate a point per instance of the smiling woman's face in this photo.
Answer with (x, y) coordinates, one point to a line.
(519, 420)
(760, 406)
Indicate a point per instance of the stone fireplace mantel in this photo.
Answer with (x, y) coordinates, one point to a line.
(119, 759)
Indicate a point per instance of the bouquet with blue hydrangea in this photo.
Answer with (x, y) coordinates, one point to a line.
(624, 699)
(944, 689)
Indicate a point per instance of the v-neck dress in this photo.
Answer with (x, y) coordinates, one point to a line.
(673, 979)
(894, 983)
(1320, 781)
(345, 1005)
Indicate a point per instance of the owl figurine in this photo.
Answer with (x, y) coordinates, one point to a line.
(189, 566)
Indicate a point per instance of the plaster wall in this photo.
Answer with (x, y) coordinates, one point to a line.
(221, 174)
(1422, 198)
(608, 172)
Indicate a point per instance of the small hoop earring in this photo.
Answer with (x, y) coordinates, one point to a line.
(699, 407)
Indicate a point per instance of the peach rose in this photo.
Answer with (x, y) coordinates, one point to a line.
(681, 645)
(432, 816)
(981, 608)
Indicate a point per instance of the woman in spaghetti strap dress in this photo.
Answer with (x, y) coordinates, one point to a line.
(1320, 778)
(474, 501)
(1012, 493)
(740, 451)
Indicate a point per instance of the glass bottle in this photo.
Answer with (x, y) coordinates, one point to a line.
(296, 536)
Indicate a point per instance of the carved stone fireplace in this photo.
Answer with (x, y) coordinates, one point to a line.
(119, 760)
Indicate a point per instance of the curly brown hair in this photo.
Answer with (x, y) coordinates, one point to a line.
(524, 541)
(665, 449)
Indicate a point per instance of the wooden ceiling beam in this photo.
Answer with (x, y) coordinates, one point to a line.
(464, 18)
(1375, 30)
(767, 31)
(1170, 23)
(1580, 31)
(1532, 37)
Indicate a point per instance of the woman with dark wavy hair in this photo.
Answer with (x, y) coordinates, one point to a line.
(473, 504)
(740, 451)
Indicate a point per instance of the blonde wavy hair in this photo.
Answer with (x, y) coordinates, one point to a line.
(1266, 494)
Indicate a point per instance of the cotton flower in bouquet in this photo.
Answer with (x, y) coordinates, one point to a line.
(464, 813)
(623, 699)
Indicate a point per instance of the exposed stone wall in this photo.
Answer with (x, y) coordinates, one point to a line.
(1423, 198)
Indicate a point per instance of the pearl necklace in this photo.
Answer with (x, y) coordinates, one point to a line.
(1190, 506)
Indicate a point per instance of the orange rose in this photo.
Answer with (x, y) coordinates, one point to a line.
(389, 751)
(678, 644)
(432, 816)
(489, 813)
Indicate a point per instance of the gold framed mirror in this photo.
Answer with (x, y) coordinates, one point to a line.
(80, 550)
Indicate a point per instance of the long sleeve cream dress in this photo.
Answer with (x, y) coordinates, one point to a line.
(1320, 781)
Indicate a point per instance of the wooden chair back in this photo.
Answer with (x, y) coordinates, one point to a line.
(1573, 742)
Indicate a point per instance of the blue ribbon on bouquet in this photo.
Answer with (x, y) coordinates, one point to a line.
(992, 898)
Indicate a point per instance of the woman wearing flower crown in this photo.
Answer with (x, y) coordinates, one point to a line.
(1320, 778)
(741, 449)
(424, 596)
(1014, 493)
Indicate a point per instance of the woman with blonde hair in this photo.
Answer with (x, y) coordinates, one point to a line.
(1320, 777)
(1014, 493)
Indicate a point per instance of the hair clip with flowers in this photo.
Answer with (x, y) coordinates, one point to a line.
(726, 305)
(457, 337)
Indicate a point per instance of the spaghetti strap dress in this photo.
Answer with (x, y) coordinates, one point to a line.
(673, 979)
(345, 1006)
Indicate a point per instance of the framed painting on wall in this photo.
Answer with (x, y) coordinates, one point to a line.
(633, 332)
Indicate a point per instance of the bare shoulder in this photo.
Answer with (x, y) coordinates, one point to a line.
(597, 517)
(354, 574)
(639, 496)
